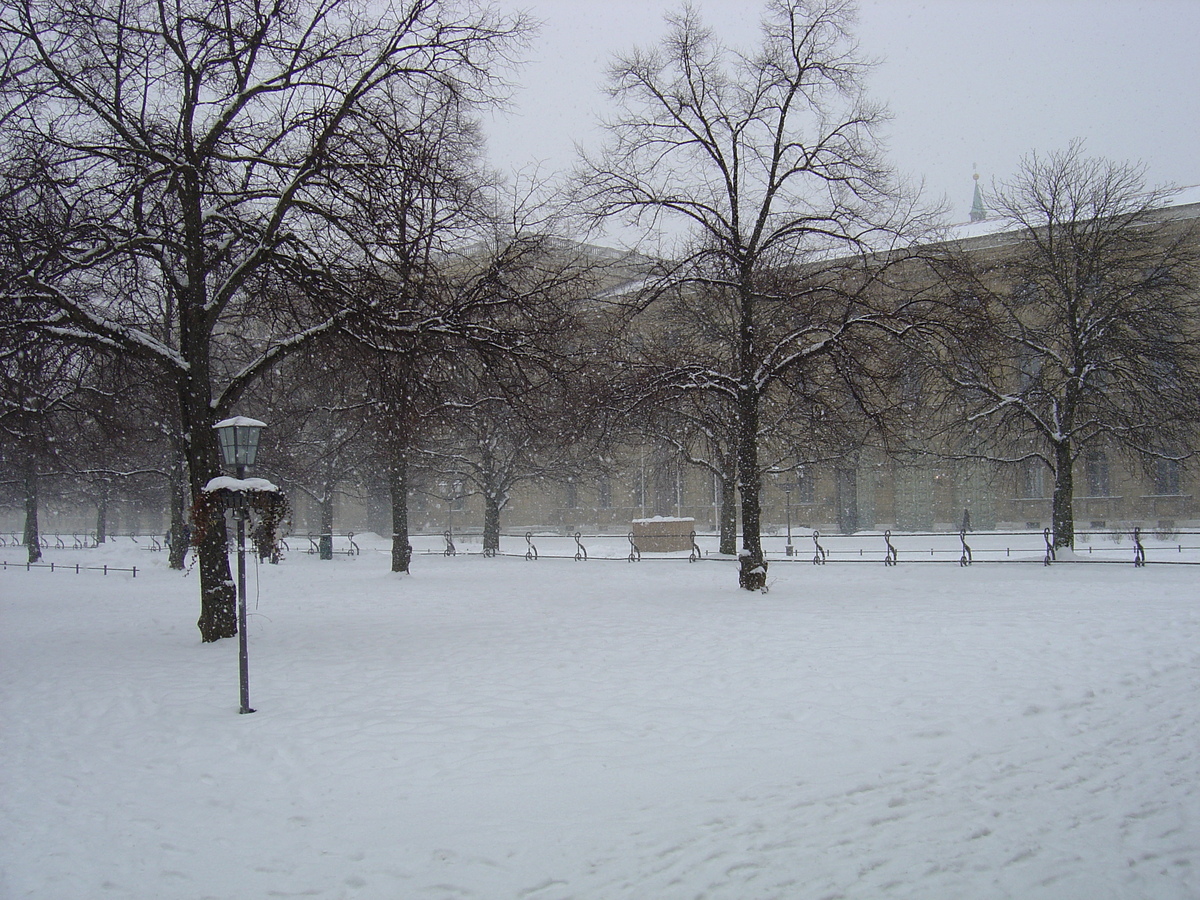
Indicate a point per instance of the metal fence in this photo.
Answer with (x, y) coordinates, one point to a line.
(65, 567)
(887, 548)
(804, 547)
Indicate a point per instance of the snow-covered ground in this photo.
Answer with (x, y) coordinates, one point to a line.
(498, 728)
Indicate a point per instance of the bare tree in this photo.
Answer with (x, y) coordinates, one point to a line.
(402, 401)
(39, 393)
(770, 158)
(515, 427)
(194, 143)
(409, 214)
(1083, 323)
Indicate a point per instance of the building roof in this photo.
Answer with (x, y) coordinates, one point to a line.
(1183, 203)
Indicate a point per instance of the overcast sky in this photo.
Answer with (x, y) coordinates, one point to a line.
(969, 82)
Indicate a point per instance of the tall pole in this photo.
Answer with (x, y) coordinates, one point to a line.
(787, 493)
(243, 655)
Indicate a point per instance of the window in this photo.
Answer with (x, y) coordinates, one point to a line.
(1092, 286)
(1096, 472)
(1029, 366)
(911, 389)
(1026, 293)
(604, 493)
(806, 486)
(1166, 375)
(1157, 278)
(571, 500)
(1166, 477)
(1033, 480)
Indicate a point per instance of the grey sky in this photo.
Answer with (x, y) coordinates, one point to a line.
(968, 82)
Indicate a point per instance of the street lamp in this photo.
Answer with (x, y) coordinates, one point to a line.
(239, 448)
(239, 441)
(788, 487)
(452, 494)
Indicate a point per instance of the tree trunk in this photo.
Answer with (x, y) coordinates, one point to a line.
(326, 540)
(180, 533)
(398, 489)
(752, 574)
(102, 511)
(728, 524)
(218, 593)
(1063, 515)
(33, 538)
(847, 500)
(491, 523)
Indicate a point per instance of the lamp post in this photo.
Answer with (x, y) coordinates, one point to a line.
(788, 487)
(239, 448)
(452, 493)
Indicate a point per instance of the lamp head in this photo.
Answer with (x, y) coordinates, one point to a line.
(239, 440)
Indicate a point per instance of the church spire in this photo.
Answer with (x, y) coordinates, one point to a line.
(978, 210)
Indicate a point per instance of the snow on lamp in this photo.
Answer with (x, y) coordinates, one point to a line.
(239, 440)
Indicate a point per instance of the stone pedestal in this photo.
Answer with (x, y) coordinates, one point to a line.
(663, 534)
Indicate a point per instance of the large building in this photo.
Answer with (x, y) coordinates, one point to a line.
(867, 489)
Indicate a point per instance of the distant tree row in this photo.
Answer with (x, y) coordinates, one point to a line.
(219, 206)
